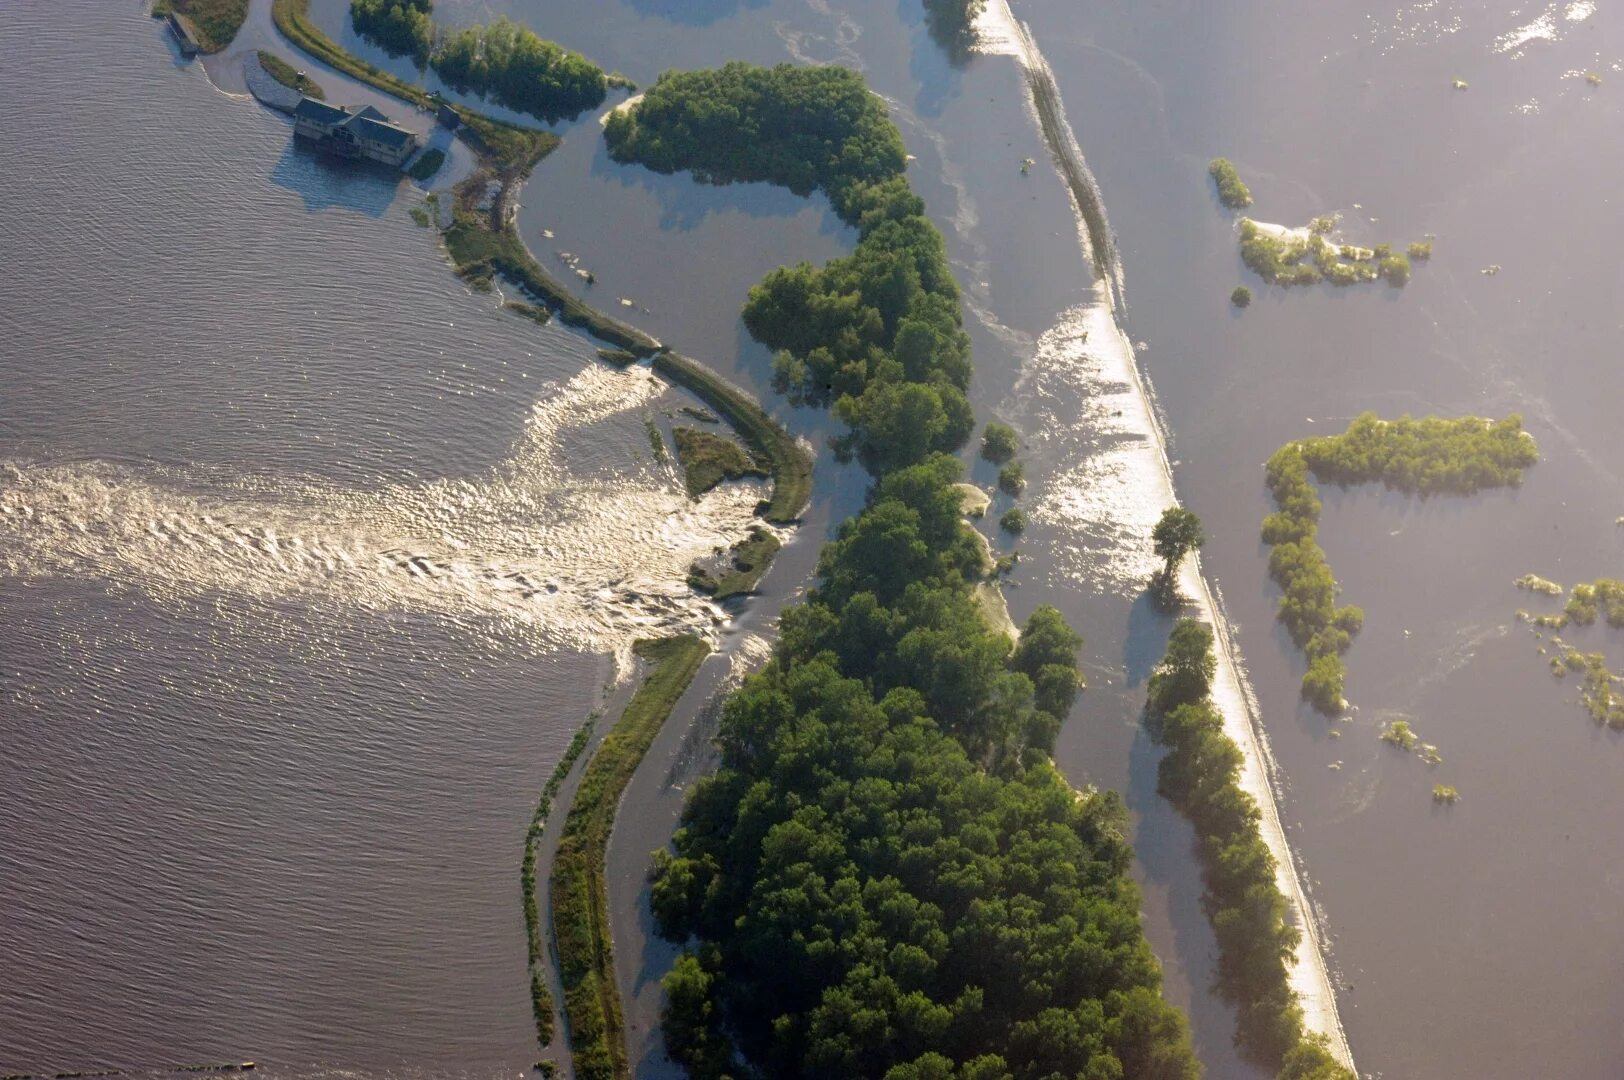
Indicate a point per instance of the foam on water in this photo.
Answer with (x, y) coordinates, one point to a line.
(588, 563)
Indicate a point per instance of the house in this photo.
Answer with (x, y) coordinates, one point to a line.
(359, 133)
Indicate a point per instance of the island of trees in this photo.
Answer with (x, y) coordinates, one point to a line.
(1232, 191)
(1429, 456)
(1309, 256)
(504, 62)
(887, 876)
(1200, 775)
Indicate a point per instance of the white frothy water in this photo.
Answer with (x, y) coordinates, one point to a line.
(592, 563)
(1112, 493)
(1548, 25)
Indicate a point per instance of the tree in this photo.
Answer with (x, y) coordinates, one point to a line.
(1012, 478)
(1177, 534)
(999, 443)
(1241, 297)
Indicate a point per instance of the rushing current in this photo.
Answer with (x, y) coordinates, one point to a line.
(311, 562)
(285, 509)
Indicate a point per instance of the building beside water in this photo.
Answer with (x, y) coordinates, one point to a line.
(359, 133)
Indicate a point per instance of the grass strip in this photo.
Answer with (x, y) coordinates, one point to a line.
(790, 466)
(579, 892)
(289, 76)
(541, 999)
(480, 251)
(292, 17)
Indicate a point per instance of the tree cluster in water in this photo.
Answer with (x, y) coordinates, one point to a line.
(1426, 457)
(887, 876)
(879, 333)
(1200, 775)
(1603, 598)
(1232, 190)
(1293, 260)
(505, 62)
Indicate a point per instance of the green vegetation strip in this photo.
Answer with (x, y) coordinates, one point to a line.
(289, 76)
(790, 466)
(541, 999)
(1057, 136)
(1430, 456)
(579, 893)
(480, 251)
(1200, 775)
(292, 17)
(214, 23)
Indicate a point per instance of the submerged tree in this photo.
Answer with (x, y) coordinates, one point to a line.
(1177, 534)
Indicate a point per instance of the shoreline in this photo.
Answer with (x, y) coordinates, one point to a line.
(1309, 974)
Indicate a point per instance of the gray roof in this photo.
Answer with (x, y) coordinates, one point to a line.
(319, 112)
(388, 134)
(366, 122)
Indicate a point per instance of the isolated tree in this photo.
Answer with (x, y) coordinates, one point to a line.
(999, 443)
(1177, 534)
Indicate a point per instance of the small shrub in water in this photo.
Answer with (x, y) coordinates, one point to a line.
(999, 443)
(1399, 734)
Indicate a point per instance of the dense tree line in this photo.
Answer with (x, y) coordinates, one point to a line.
(887, 877)
(504, 62)
(1424, 457)
(1200, 775)
(511, 66)
(879, 334)
(399, 27)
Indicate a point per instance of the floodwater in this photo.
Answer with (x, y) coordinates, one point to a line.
(312, 563)
(185, 896)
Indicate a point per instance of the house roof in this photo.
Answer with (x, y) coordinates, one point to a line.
(319, 111)
(388, 134)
